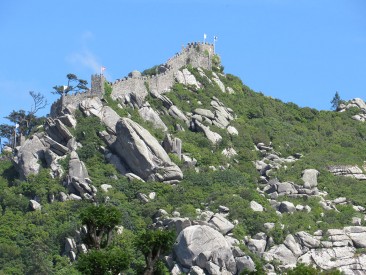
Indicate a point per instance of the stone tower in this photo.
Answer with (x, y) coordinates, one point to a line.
(97, 85)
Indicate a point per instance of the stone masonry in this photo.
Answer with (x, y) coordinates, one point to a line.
(195, 54)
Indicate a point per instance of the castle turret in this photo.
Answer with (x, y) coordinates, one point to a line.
(97, 84)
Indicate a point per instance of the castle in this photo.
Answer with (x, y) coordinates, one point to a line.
(196, 54)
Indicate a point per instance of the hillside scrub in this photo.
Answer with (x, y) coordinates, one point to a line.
(33, 241)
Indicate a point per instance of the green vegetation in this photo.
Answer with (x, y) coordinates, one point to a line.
(32, 242)
(74, 84)
(152, 71)
(303, 269)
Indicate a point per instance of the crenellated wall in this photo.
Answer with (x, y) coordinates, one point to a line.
(97, 89)
(195, 54)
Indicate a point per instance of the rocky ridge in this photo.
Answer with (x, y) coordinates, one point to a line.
(205, 245)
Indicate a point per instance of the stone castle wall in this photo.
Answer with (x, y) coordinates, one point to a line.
(195, 54)
(97, 89)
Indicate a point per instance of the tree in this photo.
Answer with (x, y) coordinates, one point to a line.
(39, 102)
(7, 132)
(24, 122)
(153, 244)
(105, 261)
(100, 221)
(336, 101)
(74, 84)
(103, 257)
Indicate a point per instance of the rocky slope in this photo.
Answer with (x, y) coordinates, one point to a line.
(247, 182)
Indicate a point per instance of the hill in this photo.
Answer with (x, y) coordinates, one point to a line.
(245, 182)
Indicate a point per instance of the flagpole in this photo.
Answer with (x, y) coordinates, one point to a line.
(214, 44)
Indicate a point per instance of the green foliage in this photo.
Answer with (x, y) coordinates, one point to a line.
(153, 244)
(102, 262)
(74, 84)
(151, 71)
(86, 132)
(336, 101)
(302, 269)
(100, 221)
(324, 138)
(107, 89)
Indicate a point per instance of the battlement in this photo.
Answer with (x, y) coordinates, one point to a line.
(196, 54)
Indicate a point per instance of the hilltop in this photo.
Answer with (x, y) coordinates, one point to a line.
(245, 182)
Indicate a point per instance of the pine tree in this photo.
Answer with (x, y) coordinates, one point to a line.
(336, 101)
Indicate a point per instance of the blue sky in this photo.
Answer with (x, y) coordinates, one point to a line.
(300, 51)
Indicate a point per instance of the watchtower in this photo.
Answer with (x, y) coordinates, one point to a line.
(97, 85)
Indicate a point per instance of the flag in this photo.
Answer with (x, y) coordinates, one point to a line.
(16, 125)
(215, 38)
(102, 69)
(204, 36)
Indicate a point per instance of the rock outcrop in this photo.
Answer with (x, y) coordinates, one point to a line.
(185, 77)
(28, 157)
(347, 170)
(138, 151)
(334, 248)
(142, 153)
(78, 182)
(94, 106)
(150, 115)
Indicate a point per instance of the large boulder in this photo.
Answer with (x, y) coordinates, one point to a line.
(358, 239)
(143, 154)
(94, 106)
(310, 176)
(68, 120)
(307, 240)
(196, 239)
(286, 188)
(149, 114)
(221, 223)
(178, 114)
(210, 135)
(356, 102)
(186, 78)
(52, 162)
(28, 156)
(116, 162)
(34, 205)
(173, 145)
(56, 147)
(232, 131)
(205, 113)
(77, 168)
(256, 207)
(281, 253)
(286, 207)
(78, 181)
(57, 131)
(257, 246)
(217, 80)
(224, 259)
(244, 263)
(294, 246)
(328, 258)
